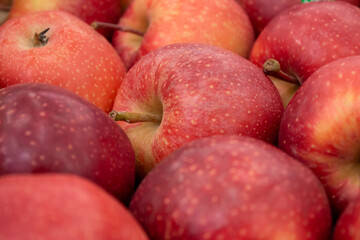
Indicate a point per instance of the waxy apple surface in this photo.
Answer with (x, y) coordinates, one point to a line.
(59, 207)
(261, 12)
(321, 126)
(221, 23)
(307, 36)
(196, 90)
(45, 128)
(70, 54)
(231, 187)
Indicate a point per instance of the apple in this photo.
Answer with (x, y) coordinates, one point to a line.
(221, 23)
(45, 128)
(185, 91)
(86, 10)
(261, 12)
(57, 48)
(347, 227)
(307, 36)
(320, 127)
(61, 206)
(231, 187)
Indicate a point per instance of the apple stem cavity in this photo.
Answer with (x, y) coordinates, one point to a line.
(131, 117)
(40, 39)
(272, 68)
(5, 8)
(99, 25)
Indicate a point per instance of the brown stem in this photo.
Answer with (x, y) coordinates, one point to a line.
(272, 67)
(132, 117)
(40, 39)
(99, 25)
(5, 8)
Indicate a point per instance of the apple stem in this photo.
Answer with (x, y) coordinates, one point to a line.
(5, 8)
(99, 25)
(131, 117)
(40, 39)
(272, 68)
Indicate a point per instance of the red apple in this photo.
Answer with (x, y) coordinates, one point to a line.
(58, 48)
(261, 12)
(231, 187)
(45, 128)
(222, 23)
(321, 125)
(87, 10)
(182, 92)
(307, 36)
(58, 207)
(348, 225)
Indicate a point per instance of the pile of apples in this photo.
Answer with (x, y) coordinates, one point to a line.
(179, 120)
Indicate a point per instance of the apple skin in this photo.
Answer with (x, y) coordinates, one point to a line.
(307, 36)
(221, 23)
(75, 57)
(45, 128)
(87, 10)
(62, 206)
(199, 90)
(347, 227)
(231, 187)
(261, 12)
(320, 127)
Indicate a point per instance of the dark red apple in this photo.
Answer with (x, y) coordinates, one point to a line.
(45, 128)
(183, 92)
(321, 128)
(231, 187)
(59, 207)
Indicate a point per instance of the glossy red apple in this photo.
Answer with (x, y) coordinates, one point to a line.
(87, 10)
(58, 207)
(307, 36)
(231, 187)
(45, 128)
(222, 23)
(321, 125)
(348, 225)
(261, 12)
(56, 47)
(186, 91)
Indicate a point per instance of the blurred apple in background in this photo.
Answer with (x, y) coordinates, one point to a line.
(182, 92)
(261, 12)
(231, 187)
(307, 36)
(45, 128)
(57, 48)
(87, 10)
(58, 207)
(222, 23)
(321, 128)
(4, 10)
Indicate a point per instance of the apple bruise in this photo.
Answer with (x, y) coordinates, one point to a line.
(320, 128)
